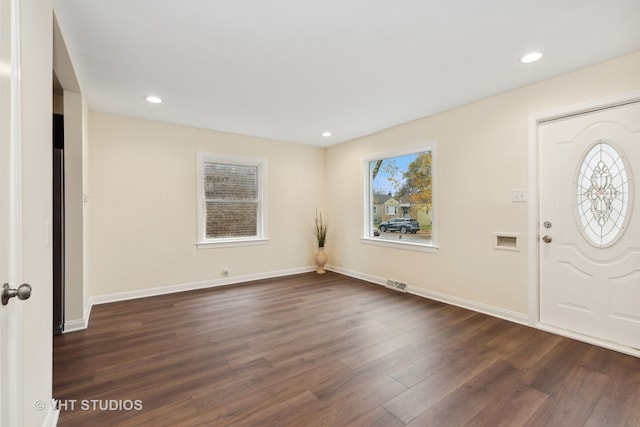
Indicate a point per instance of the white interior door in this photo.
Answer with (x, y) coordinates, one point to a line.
(10, 314)
(589, 166)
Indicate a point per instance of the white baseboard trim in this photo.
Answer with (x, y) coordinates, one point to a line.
(51, 420)
(357, 274)
(490, 310)
(181, 287)
(512, 316)
(589, 340)
(79, 324)
(76, 325)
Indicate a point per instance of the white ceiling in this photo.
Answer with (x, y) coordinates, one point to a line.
(291, 69)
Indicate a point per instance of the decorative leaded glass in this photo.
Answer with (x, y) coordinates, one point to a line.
(603, 194)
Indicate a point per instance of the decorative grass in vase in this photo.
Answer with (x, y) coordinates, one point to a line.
(321, 237)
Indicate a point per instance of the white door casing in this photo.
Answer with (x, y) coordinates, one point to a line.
(11, 346)
(589, 272)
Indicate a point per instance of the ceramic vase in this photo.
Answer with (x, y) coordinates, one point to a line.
(321, 260)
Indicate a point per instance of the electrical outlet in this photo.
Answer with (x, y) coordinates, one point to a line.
(518, 195)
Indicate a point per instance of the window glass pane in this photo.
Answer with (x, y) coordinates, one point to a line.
(401, 194)
(230, 199)
(231, 219)
(230, 182)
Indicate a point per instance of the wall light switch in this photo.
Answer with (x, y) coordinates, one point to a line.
(518, 195)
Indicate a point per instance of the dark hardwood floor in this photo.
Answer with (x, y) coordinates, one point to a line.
(329, 350)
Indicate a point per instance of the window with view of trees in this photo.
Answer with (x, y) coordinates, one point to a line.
(230, 192)
(400, 198)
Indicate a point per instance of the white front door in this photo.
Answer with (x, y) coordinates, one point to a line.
(10, 314)
(589, 176)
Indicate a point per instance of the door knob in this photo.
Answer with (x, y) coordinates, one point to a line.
(547, 239)
(23, 292)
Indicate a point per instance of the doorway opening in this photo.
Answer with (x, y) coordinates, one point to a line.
(58, 211)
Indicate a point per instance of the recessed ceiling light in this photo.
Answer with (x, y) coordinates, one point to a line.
(153, 99)
(531, 57)
(326, 134)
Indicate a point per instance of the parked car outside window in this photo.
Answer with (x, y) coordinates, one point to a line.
(403, 225)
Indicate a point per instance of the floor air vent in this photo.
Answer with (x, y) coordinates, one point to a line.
(396, 286)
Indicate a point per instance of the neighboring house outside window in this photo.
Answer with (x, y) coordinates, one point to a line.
(230, 200)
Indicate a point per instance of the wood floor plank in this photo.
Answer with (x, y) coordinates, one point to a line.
(532, 347)
(474, 395)
(291, 411)
(164, 415)
(348, 408)
(618, 404)
(422, 396)
(445, 349)
(515, 407)
(615, 407)
(574, 402)
(234, 403)
(331, 350)
(550, 374)
(379, 417)
(360, 356)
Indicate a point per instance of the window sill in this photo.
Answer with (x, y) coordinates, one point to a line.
(409, 246)
(228, 243)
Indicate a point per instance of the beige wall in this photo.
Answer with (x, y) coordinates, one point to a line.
(143, 198)
(72, 205)
(72, 104)
(482, 157)
(143, 205)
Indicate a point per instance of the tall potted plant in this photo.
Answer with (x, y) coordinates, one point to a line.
(321, 237)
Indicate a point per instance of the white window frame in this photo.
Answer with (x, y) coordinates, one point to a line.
(367, 237)
(261, 233)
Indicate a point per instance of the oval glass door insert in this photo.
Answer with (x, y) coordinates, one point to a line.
(603, 194)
